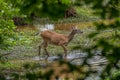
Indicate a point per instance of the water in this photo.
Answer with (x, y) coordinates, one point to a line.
(41, 27)
(96, 62)
(75, 57)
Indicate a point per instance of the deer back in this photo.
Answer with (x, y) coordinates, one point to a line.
(54, 38)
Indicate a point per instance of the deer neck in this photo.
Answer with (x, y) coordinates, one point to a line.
(71, 36)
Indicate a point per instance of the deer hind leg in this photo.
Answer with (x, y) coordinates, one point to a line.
(40, 46)
(45, 48)
(43, 45)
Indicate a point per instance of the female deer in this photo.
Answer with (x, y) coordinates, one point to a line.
(51, 37)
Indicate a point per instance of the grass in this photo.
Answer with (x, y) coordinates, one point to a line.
(23, 67)
(27, 48)
(80, 25)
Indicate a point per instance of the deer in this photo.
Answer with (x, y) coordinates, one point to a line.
(51, 37)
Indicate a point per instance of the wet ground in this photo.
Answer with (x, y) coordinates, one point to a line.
(96, 62)
(75, 57)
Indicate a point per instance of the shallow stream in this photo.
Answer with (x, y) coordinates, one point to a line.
(96, 62)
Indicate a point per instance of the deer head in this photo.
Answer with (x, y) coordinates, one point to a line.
(76, 30)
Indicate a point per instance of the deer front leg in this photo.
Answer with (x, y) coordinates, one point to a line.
(39, 50)
(46, 52)
(65, 50)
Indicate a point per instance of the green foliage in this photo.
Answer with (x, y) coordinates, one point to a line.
(45, 8)
(85, 12)
(6, 26)
(109, 49)
(106, 9)
(7, 65)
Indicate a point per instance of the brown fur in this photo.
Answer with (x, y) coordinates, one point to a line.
(51, 37)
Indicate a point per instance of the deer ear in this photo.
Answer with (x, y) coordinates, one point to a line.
(76, 27)
(73, 27)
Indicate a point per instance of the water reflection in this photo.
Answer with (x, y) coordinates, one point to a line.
(74, 57)
(97, 62)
